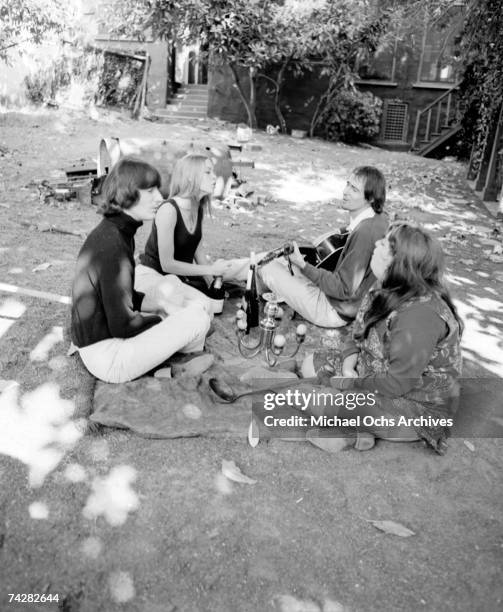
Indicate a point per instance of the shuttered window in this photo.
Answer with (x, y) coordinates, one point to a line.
(394, 121)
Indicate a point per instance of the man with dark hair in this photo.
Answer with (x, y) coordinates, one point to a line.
(331, 299)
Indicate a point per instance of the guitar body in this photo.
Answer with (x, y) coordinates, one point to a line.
(326, 251)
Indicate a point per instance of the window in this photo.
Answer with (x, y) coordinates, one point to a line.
(438, 56)
(394, 121)
(381, 65)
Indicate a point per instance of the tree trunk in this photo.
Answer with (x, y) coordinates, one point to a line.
(250, 108)
(277, 107)
(329, 92)
(252, 72)
(277, 84)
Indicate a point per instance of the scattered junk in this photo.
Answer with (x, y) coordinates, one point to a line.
(84, 179)
(244, 133)
(163, 154)
(299, 133)
(272, 130)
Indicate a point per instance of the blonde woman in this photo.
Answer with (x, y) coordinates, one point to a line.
(174, 268)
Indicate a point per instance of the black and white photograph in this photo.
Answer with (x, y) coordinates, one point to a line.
(251, 305)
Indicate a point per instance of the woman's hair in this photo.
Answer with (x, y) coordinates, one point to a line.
(416, 270)
(120, 188)
(374, 189)
(187, 177)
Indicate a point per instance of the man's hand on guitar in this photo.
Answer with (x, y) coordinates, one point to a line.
(296, 257)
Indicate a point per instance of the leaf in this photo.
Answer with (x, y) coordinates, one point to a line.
(392, 528)
(42, 267)
(231, 471)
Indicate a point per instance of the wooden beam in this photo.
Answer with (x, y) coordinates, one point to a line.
(486, 156)
(490, 190)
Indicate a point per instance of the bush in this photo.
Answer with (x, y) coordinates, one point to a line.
(351, 116)
(55, 77)
(104, 78)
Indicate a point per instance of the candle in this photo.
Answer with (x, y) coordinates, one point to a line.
(279, 341)
(301, 329)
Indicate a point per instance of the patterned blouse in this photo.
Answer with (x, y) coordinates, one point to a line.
(412, 359)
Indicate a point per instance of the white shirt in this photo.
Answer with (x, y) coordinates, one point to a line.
(366, 213)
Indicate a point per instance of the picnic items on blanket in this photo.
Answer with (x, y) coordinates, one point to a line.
(216, 293)
(250, 300)
(272, 342)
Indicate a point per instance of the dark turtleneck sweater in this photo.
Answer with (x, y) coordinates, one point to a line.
(104, 302)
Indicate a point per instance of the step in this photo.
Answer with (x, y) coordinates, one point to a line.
(196, 100)
(177, 117)
(190, 96)
(194, 88)
(188, 105)
(180, 113)
(194, 108)
(184, 109)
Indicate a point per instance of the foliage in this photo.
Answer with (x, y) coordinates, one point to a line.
(31, 20)
(350, 32)
(119, 80)
(44, 84)
(107, 79)
(352, 116)
(238, 33)
(481, 89)
(250, 36)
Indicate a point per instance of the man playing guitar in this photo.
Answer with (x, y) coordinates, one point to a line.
(331, 298)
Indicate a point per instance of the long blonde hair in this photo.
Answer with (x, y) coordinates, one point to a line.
(187, 177)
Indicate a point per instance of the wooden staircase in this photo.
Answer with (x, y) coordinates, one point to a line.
(190, 103)
(436, 123)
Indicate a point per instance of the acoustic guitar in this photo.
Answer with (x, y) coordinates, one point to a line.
(326, 250)
(323, 254)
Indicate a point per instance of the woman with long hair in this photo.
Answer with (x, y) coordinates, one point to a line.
(174, 269)
(405, 346)
(116, 340)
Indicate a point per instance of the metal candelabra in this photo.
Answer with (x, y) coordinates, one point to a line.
(271, 342)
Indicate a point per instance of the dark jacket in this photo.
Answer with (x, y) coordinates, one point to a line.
(104, 302)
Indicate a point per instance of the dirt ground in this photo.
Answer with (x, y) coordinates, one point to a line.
(110, 521)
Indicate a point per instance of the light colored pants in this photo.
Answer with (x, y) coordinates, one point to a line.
(166, 292)
(118, 360)
(301, 294)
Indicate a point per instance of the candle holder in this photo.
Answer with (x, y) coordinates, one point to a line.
(269, 341)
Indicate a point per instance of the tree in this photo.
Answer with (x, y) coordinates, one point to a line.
(29, 21)
(341, 30)
(251, 35)
(481, 54)
(237, 33)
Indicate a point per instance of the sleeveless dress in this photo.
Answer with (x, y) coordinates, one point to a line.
(185, 246)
